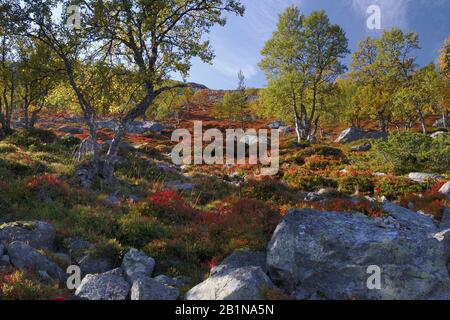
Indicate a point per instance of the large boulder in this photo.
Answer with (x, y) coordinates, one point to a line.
(445, 189)
(91, 264)
(137, 265)
(354, 134)
(418, 221)
(23, 256)
(144, 127)
(241, 259)
(329, 255)
(440, 123)
(110, 285)
(37, 234)
(246, 283)
(423, 177)
(152, 289)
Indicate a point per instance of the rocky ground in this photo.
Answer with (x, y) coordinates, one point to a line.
(222, 232)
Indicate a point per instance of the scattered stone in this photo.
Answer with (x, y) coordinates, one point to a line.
(137, 265)
(423, 177)
(179, 185)
(440, 123)
(71, 129)
(437, 134)
(362, 148)
(110, 285)
(314, 252)
(37, 234)
(246, 283)
(144, 126)
(353, 134)
(276, 124)
(379, 174)
(24, 256)
(151, 289)
(284, 130)
(445, 189)
(90, 264)
(165, 280)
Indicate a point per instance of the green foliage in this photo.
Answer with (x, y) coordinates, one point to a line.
(269, 189)
(301, 62)
(137, 229)
(111, 249)
(308, 181)
(395, 187)
(406, 152)
(359, 183)
(233, 106)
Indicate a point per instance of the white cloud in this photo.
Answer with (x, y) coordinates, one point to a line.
(231, 70)
(262, 15)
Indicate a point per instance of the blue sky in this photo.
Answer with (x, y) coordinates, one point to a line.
(238, 44)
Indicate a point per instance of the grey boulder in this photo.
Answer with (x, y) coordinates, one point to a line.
(37, 234)
(241, 259)
(276, 124)
(441, 123)
(23, 256)
(144, 127)
(91, 264)
(246, 283)
(329, 254)
(137, 265)
(152, 289)
(423, 177)
(110, 285)
(354, 134)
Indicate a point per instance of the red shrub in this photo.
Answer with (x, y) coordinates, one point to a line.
(431, 202)
(50, 185)
(170, 205)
